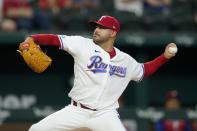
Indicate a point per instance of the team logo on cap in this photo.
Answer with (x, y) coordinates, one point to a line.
(102, 18)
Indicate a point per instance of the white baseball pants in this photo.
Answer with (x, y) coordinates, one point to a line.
(72, 117)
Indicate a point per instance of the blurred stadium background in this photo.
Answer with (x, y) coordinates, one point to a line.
(146, 27)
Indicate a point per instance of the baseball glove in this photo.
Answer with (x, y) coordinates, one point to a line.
(33, 55)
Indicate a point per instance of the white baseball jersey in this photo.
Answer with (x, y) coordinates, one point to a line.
(99, 81)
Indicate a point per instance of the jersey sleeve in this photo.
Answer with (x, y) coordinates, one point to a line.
(136, 70)
(72, 44)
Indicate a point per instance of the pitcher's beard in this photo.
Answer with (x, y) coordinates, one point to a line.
(96, 41)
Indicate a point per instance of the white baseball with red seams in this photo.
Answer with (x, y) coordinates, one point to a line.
(173, 50)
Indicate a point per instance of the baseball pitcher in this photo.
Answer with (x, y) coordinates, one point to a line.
(102, 72)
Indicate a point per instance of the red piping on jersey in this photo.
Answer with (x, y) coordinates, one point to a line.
(152, 66)
(46, 39)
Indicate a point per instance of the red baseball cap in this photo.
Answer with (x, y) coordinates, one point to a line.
(108, 22)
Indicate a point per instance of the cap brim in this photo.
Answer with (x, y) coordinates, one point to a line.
(95, 23)
(92, 23)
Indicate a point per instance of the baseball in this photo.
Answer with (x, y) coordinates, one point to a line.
(173, 50)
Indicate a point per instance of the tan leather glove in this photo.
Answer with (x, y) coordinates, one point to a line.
(33, 55)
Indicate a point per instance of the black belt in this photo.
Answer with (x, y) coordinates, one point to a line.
(82, 106)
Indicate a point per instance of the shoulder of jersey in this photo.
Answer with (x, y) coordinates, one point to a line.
(122, 55)
(86, 39)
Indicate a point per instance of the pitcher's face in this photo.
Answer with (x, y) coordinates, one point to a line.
(101, 35)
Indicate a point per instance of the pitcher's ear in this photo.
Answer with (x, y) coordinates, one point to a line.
(113, 33)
